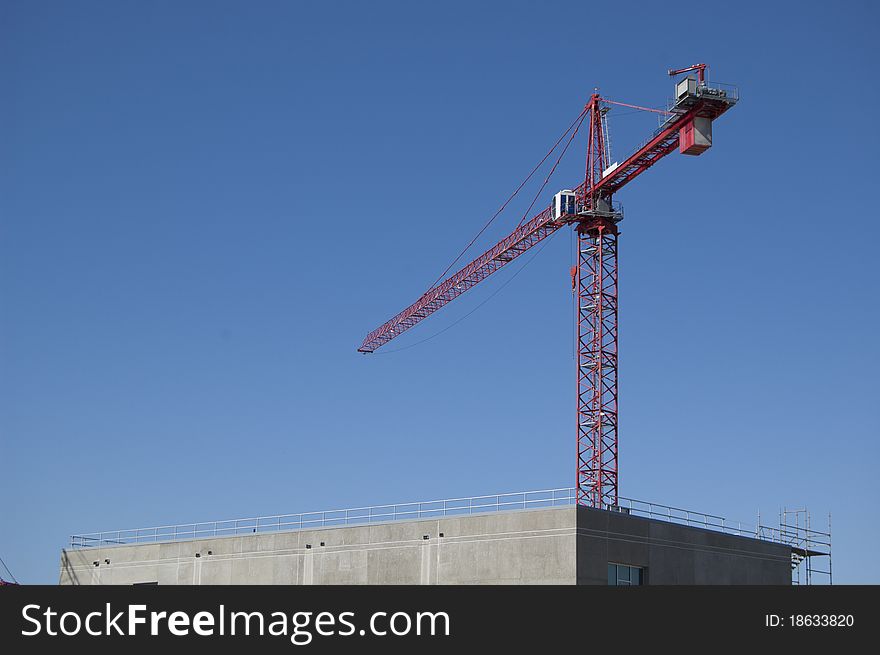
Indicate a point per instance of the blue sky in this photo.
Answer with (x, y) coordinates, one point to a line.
(204, 206)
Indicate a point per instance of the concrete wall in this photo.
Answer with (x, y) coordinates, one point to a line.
(565, 545)
(526, 547)
(674, 554)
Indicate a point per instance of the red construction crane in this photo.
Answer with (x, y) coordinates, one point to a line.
(590, 209)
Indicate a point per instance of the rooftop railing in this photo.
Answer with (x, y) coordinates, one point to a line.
(431, 509)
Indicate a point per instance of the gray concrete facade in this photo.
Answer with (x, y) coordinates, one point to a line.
(564, 545)
(673, 554)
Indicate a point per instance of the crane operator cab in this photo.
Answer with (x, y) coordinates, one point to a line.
(563, 204)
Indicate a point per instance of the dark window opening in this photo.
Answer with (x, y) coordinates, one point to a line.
(623, 575)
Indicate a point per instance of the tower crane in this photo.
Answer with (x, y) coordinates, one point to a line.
(591, 211)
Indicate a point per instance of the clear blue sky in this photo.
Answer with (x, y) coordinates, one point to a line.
(204, 206)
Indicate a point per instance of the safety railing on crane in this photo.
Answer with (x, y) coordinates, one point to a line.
(712, 89)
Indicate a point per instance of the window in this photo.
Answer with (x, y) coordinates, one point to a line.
(625, 575)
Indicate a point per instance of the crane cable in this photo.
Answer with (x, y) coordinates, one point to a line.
(553, 170)
(574, 124)
(485, 300)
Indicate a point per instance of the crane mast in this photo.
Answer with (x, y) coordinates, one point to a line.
(591, 211)
(595, 222)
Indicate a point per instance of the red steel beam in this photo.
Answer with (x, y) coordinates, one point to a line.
(508, 249)
(533, 232)
(597, 373)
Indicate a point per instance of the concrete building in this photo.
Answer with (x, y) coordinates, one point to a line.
(548, 545)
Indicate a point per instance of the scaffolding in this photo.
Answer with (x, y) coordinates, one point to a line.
(809, 547)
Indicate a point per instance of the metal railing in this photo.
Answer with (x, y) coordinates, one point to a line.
(331, 518)
(728, 92)
(430, 509)
(690, 518)
(711, 90)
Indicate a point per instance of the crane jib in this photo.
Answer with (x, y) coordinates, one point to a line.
(537, 229)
